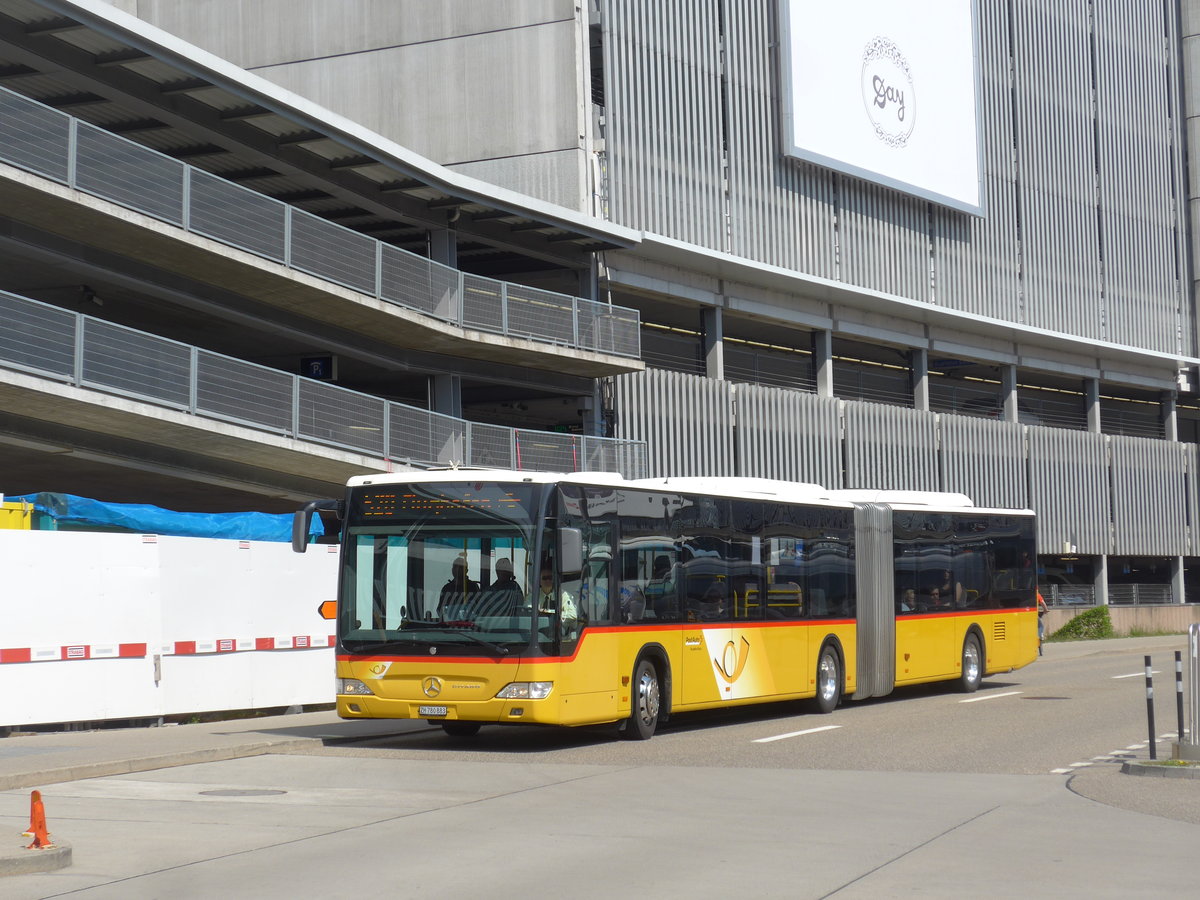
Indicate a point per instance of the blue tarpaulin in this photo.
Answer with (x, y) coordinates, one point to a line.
(68, 510)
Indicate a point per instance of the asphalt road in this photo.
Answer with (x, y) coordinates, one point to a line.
(1013, 791)
(1077, 703)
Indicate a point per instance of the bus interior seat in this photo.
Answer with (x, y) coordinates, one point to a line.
(636, 609)
(816, 602)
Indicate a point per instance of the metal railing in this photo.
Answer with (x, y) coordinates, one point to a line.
(1140, 595)
(1068, 594)
(42, 140)
(77, 349)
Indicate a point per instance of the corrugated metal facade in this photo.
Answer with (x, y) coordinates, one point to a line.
(890, 448)
(1094, 493)
(793, 435)
(691, 419)
(985, 460)
(1082, 165)
(1148, 495)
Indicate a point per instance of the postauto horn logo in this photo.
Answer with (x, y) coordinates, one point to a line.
(888, 92)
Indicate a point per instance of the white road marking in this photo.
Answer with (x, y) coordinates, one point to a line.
(991, 696)
(780, 737)
(1076, 765)
(1141, 674)
(1061, 771)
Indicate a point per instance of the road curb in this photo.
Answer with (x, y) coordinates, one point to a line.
(1160, 770)
(150, 763)
(15, 859)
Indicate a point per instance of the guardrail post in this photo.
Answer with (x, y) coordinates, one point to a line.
(193, 380)
(295, 406)
(379, 269)
(1150, 709)
(503, 307)
(72, 150)
(1179, 693)
(185, 214)
(80, 337)
(1194, 679)
(287, 235)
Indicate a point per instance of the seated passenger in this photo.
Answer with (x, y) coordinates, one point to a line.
(458, 590)
(633, 603)
(503, 597)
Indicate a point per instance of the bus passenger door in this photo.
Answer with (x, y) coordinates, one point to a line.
(589, 651)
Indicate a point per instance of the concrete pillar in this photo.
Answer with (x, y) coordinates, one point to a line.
(1091, 400)
(822, 347)
(712, 330)
(591, 411)
(919, 368)
(1178, 591)
(589, 281)
(1101, 582)
(1008, 393)
(1170, 415)
(445, 395)
(443, 246)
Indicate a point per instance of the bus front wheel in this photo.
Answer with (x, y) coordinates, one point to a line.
(461, 729)
(647, 703)
(972, 665)
(829, 680)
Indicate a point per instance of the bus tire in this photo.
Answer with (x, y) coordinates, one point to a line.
(647, 703)
(972, 665)
(461, 729)
(829, 680)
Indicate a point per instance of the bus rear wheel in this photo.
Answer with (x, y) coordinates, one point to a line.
(972, 665)
(647, 703)
(829, 680)
(461, 729)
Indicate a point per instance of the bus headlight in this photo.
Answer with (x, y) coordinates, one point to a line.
(353, 686)
(526, 690)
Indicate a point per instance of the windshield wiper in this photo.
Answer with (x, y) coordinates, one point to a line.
(445, 629)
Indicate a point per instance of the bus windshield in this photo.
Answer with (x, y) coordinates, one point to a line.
(440, 568)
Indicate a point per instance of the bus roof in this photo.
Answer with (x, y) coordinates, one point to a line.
(723, 486)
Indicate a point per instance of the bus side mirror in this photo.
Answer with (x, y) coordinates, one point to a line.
(570, 551)
(302, 520)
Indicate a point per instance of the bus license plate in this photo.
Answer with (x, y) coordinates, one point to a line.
(431, 710)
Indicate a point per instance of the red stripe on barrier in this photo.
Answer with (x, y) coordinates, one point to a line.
(71, 652)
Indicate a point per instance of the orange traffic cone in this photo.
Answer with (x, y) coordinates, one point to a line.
(37, 823)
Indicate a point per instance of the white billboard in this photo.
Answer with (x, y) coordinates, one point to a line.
(886, 90)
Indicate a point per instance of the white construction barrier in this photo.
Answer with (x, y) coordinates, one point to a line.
(124, 626)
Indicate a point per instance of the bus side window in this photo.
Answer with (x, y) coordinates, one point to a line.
(597, 575)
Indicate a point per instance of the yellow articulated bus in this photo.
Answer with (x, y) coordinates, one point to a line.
(471, 596)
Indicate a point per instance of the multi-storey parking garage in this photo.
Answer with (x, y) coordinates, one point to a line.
(636, 236)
